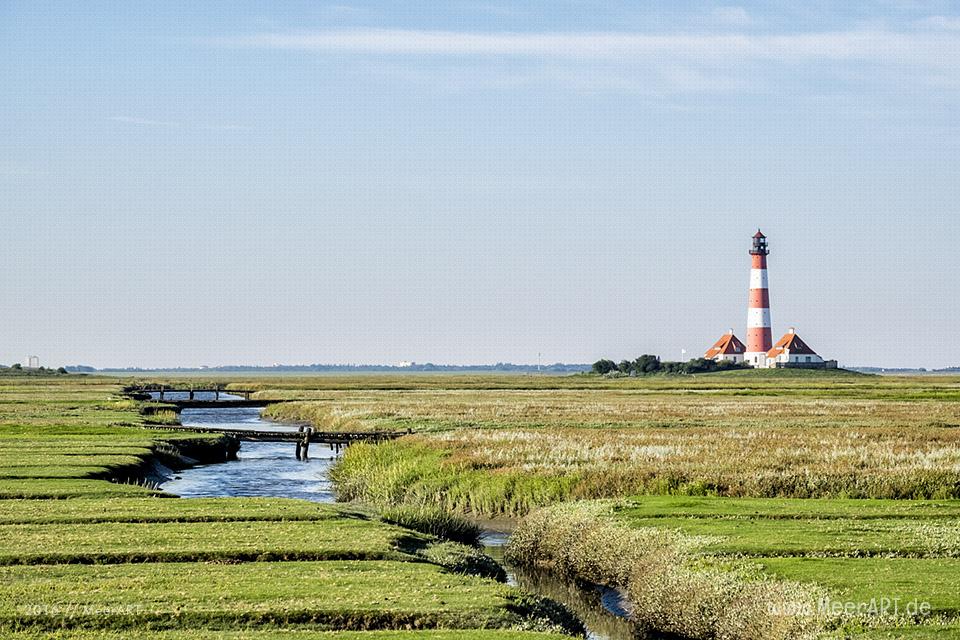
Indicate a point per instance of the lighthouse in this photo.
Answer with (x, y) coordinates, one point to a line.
(790, 352)
(759, 336)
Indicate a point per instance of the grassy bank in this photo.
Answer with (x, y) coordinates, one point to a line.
(510, 471)
(724, 568)
(496, 446)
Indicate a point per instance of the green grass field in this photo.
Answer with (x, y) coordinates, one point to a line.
(817, 469)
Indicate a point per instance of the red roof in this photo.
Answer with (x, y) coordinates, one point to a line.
(728, 344)
(758, 234)
(792, 342)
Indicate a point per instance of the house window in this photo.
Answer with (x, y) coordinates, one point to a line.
(808, 358)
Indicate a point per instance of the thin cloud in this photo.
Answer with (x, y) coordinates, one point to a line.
(735, 16)
(924, 48)
(144, 121)
(498, 10)
(224, 127)
(947, 23)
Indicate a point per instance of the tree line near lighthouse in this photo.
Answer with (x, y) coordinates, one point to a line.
(648, 364)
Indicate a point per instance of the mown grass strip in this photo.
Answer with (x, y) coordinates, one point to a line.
(336, 595)
(916, 632)
(810, 537)
(61, 488)
(785, 508)
(289, 634)
(165, 510)
(330, 539)
(42, 472)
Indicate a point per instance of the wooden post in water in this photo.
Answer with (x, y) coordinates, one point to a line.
(306, 442)
(300, 442)
(161, 394)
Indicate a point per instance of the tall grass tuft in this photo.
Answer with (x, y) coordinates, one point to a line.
(436, 522)
(164, 416)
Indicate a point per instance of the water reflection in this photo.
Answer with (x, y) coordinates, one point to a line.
(233, 418)
(262, 469)
(601, 610)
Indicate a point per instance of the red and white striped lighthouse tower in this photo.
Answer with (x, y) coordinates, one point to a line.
(759, 337)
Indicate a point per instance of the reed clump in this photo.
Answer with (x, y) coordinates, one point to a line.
(435, 522)
(164, 417)
(669, 589)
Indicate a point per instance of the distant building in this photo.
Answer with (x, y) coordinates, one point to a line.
(728, 347)
(31, 362)
(792, 352)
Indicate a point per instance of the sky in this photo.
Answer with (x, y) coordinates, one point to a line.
(214, 183)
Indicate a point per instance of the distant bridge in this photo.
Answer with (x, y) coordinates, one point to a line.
(175, 394)
(198, 397)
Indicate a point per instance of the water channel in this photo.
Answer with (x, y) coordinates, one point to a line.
(269, 469)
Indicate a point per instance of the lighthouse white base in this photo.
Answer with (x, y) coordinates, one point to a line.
(758, 359)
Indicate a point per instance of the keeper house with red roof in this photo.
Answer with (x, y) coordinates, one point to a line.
(789, 352)
(728, 347)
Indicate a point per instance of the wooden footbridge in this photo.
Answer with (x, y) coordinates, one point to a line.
(164, 392)
(302, 435)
